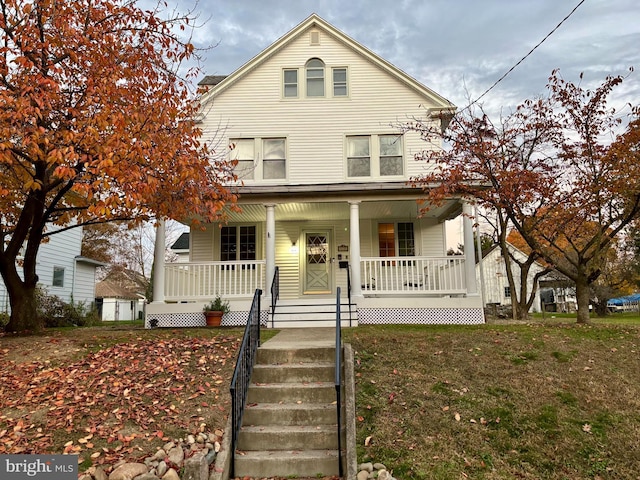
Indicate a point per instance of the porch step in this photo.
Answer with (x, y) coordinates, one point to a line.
(316, 392)
(289, 426)
(288, 437)
(290, 414)
(287, 463)
(291, 372)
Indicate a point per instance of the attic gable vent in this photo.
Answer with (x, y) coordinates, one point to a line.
(314, 37)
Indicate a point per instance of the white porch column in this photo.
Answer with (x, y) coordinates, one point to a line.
(270, 254)
(469, 251)
(354, 256)
(158, 263)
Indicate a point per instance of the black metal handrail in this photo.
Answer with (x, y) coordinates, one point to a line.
(338, 380)
(349, 292)
(275, 294)
(242, 373)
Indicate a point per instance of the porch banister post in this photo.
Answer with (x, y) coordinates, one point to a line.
(469, 250)
(158, 262)
(354, 240)
(270, 254)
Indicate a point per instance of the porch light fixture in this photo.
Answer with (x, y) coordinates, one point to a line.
(294, 248)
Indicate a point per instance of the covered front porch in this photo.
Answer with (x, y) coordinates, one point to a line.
(389, 262)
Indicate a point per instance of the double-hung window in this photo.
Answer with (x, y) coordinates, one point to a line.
(358, 156)
(243, 151)
(290, 83)
(340, 82)
(273, 158)
(391, 162)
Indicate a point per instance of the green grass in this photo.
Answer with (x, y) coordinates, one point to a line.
(542, 400)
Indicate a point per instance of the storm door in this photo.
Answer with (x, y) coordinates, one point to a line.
(317, 263)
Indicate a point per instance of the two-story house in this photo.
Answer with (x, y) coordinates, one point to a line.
(315, 122)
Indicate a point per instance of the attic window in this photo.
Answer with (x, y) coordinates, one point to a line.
(315, 77)
(314, 38)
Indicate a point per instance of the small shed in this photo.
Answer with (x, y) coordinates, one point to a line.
(121, 296)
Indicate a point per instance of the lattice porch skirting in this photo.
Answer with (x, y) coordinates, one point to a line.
(420, 316)
(196, 319)
(366, 316)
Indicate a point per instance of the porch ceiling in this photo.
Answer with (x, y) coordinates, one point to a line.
(391, 209)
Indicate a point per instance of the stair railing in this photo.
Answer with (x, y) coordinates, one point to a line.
(242, 373)
(338, 381)
(349, 292)
(275, 294)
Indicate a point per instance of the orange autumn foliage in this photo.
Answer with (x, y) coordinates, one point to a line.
(95, 125)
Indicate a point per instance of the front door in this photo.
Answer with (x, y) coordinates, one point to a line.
(317, 262)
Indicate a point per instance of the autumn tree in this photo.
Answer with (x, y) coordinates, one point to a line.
(559, 169)
(95, 126)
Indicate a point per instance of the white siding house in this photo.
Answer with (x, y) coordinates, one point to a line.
(324, 169)
(496, 288)
(62, 271)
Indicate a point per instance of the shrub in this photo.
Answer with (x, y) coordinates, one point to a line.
(57, 313)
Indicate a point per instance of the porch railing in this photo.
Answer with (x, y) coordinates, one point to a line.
(205, 280)
(409, 275)
(242, 374)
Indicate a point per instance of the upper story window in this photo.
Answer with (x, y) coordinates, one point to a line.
(243, 150)
(274, 158)
(375, 156)
(290, 83)
(315, 77)
(391, 162)
(249, 151)
(340, 82)
(358, 156)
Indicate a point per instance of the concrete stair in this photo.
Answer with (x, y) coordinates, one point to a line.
(290, 421)
(312, 312)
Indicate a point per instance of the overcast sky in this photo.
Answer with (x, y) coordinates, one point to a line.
(459, 48)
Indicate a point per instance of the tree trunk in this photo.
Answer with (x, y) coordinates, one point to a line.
(582, 296)
(24, 314)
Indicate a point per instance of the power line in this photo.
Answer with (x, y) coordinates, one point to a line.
(526, 56)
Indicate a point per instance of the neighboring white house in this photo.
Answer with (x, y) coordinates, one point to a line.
(62, 271)
(324, 170)
(496, 289)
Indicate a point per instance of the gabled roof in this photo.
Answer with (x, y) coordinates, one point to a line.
(182, 243)
(122, 283)
(441, 104)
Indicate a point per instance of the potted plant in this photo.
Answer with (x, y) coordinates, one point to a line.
(214, 310)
